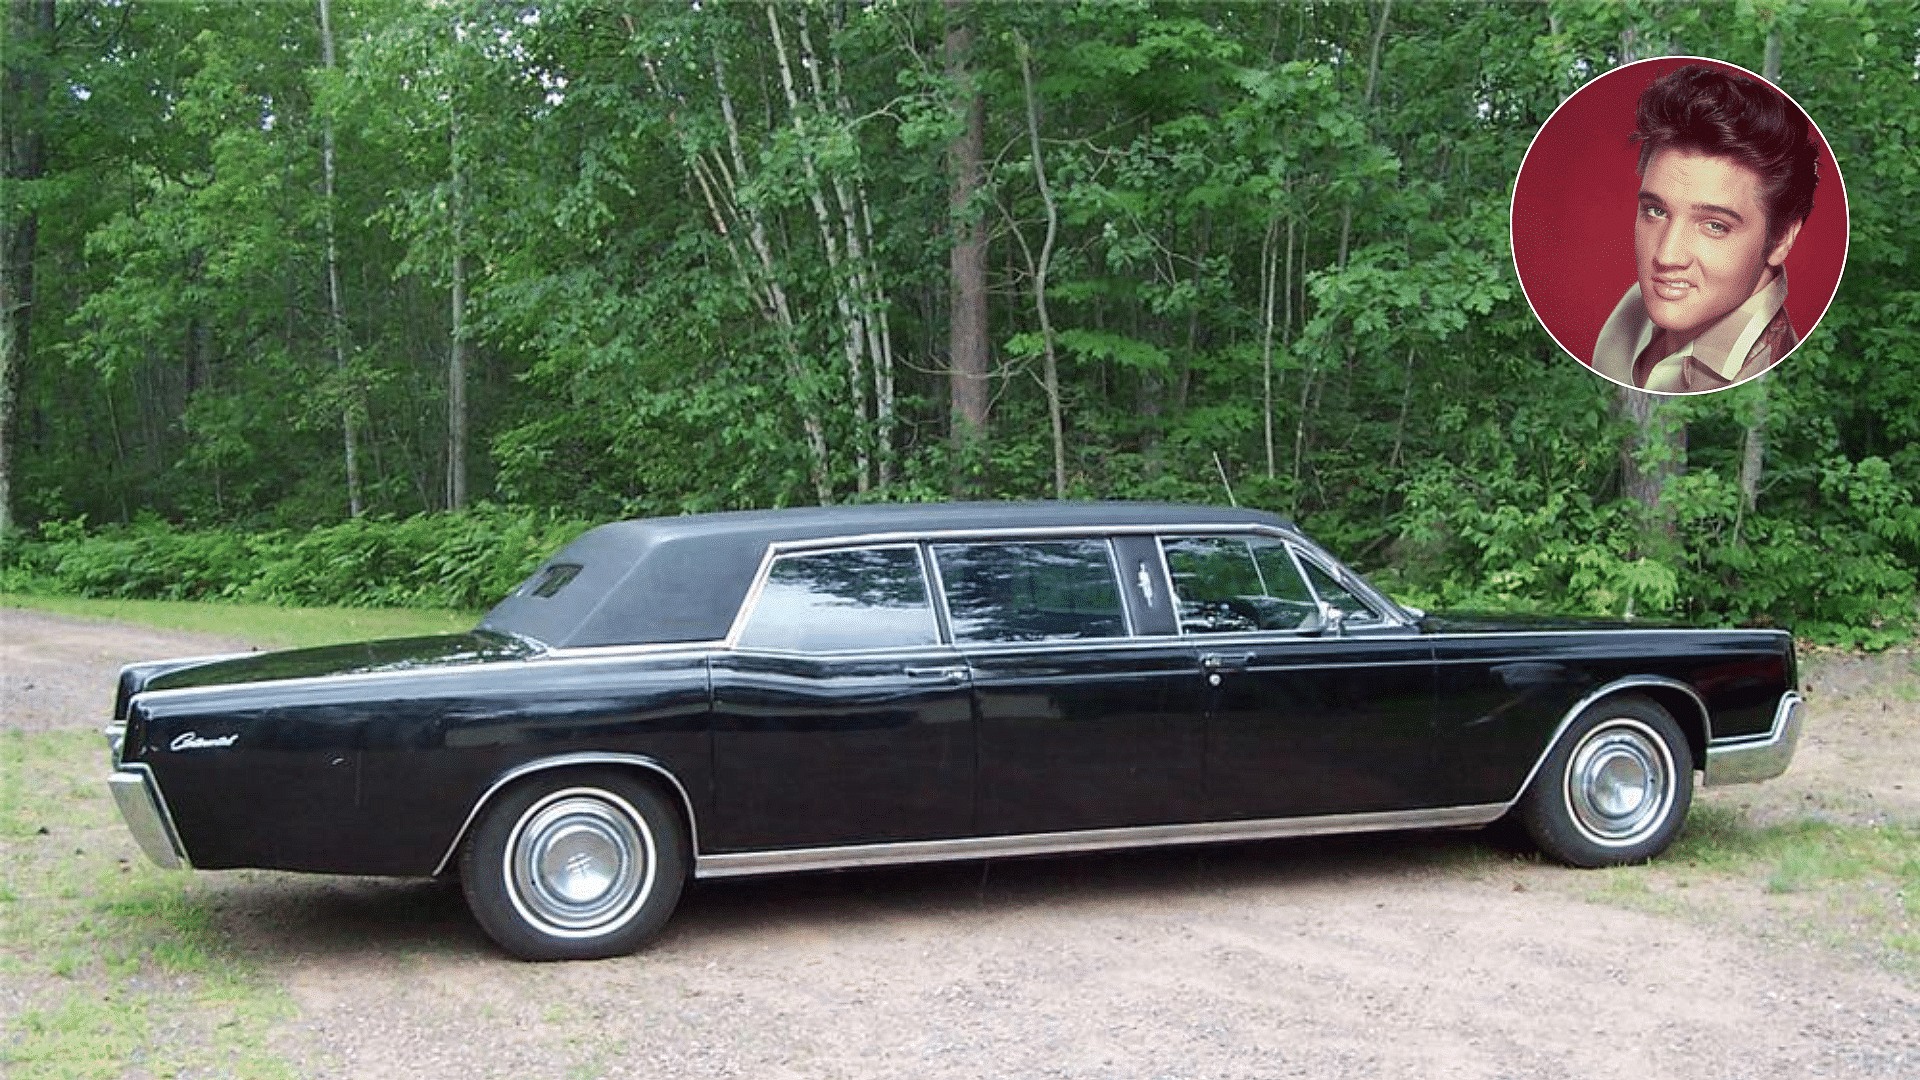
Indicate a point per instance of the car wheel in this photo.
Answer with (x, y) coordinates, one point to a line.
(575, 866)
(1615, 789)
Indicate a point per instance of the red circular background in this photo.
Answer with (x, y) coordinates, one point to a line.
(1577, 193)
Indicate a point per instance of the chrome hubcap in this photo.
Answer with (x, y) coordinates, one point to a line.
(580, 862)
(1620, 783)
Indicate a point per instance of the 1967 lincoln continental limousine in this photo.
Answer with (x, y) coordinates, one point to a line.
(807, 689)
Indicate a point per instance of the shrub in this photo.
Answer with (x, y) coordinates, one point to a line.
(464, 560)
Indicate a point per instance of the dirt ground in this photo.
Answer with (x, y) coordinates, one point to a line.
(1432, 956)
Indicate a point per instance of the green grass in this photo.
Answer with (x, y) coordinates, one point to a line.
(1849, 887)
(265, 625)
(114, 968)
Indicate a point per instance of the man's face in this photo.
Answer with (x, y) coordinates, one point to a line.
(1700, 240)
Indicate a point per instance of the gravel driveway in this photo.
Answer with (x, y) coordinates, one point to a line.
(1433, 956)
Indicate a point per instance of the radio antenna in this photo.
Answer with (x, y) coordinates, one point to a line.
(1222, 470)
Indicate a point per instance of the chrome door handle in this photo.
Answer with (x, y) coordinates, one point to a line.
(1217, 661)
(938, 674)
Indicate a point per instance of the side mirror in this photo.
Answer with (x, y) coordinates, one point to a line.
(1333, 620)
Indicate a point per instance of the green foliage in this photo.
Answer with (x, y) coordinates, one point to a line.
(1279, 268)
(463, 561)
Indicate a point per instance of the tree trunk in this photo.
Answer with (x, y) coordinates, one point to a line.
(835, 247)
(1373, 81)
(1049, 363)
(967, 260)
(456, 479)
(764, 281)
(1655, 450)
(353, 408)
(457, 385)
(30, 29)
(1753, 454)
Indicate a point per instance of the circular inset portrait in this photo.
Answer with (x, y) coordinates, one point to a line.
(1679, 225)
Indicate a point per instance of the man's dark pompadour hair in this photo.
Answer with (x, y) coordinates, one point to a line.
(1710, 111)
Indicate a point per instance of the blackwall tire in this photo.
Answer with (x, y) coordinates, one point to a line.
(1615, 789)
(576, 865)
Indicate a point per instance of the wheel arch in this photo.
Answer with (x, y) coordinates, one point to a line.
(1681, 702)
(1687, 709)
(645, 768)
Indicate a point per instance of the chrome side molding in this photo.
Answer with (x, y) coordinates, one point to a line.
(1139, 836)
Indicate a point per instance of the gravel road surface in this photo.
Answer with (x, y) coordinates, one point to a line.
(1433, 956)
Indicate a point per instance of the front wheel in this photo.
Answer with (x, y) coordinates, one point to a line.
(1615, 789)
(575, 866)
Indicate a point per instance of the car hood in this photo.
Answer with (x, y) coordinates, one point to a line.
(391, 655)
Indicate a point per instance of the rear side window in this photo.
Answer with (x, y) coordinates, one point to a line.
(1041, 590)
(842, 601)
(550, 581)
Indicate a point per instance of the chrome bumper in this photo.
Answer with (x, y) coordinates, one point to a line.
(143, 808)
(1760, 758)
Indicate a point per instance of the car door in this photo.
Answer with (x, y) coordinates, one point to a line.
(1317, 703)
(839, 716)
(1089, 706)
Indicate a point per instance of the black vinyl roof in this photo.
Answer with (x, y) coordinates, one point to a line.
(660, 580)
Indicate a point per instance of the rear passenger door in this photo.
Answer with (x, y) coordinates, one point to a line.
(839, 716)
(1089, 706)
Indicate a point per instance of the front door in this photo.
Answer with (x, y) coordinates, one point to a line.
(1316, 703)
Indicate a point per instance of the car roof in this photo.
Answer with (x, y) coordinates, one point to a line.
(660, 580)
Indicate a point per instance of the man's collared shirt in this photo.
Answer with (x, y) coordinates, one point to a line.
(1739, 345)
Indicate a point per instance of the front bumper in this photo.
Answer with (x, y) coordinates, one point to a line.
(1760, 758)
(144, 809)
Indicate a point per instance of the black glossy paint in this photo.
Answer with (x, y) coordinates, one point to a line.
(394, 655)
(1500, 696)
(376, 773)
(371, 758)
(1304, 725)
(813, 751)
(1088, 735)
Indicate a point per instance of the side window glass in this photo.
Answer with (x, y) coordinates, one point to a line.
(1049, 590)
(840, 601)
(1237, 584)
(1338, 595)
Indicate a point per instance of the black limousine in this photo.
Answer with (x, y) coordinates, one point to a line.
(759, 692)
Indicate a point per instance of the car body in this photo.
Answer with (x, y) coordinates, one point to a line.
(825, 688)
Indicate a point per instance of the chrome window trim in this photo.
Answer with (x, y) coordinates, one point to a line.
(650, 650)
(896, 853)
(566, 761)
(1296, 551)
(1617, 686)
(902, 652)
(1113, 578)
(1297, 543)
(773, 554)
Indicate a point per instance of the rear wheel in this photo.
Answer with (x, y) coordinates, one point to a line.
(575, 866)
(1615, 789)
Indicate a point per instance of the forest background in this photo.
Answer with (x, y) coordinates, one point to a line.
(377, 301)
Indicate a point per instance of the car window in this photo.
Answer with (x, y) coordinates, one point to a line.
(1041, 590)
(550, 581)
(1338, 595)
(1236, 584)
(840, 601)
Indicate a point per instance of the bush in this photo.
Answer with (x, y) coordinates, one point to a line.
(464, 560)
